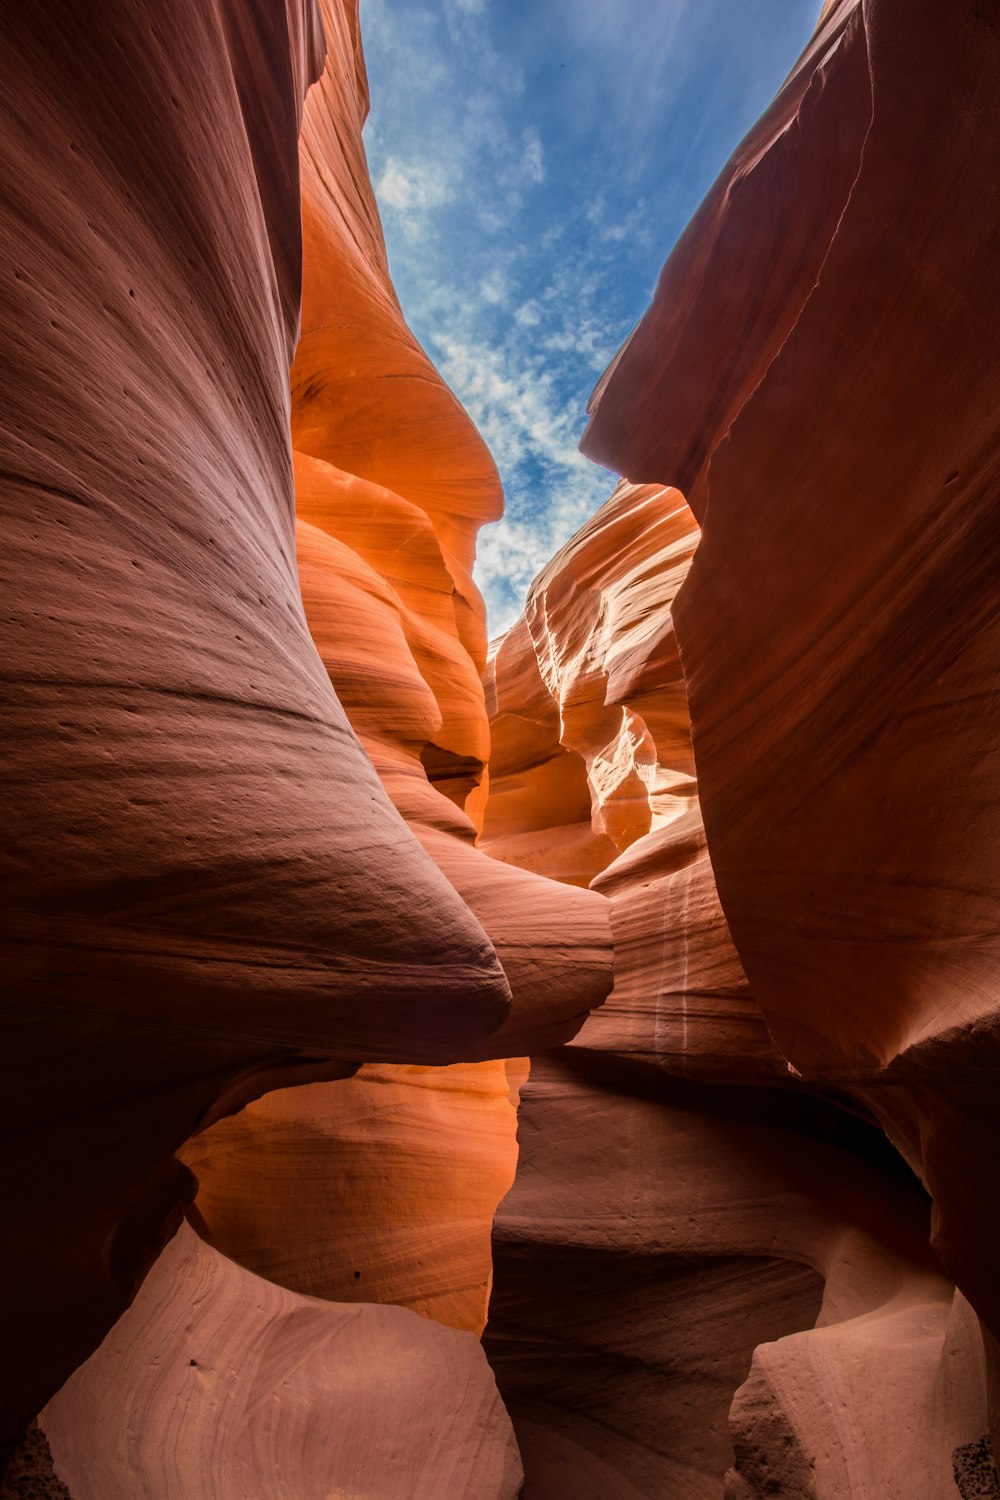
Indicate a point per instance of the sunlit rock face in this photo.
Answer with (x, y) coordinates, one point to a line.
(379, 1189)
(207, 890)
(844, 699)
(706, 1280)
(665, 1221)
(249, 755)
(595, 783)
(765, 1314)
(392, 1180)
(816, 368)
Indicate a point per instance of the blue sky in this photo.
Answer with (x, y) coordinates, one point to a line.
(534, 162)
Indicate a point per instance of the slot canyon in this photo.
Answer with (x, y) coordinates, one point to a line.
(561, 1066)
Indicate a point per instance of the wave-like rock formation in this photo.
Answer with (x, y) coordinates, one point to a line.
(814, 369)
(401, 1169)
(211, 890)
(218, 1384)
(683, 1207)
(843, 696)
(587, 692)
(702, 1267)
(379, 1189)
(289, 896)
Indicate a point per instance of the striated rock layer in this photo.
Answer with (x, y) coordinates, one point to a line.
(845, 699)
(393, 1179)
(207, 891)
(659, 1238)
(212, 891)
(379, 1189)
(587, 695)
(816, 370)
(673, 1234)
(217, 1384)
(706, 1279)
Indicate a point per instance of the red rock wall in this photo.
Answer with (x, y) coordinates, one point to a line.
(685, 1211)
(207, 889)
(838, 629)
(247, 760)
(814, 375)
(226, 897)
(401, 1169)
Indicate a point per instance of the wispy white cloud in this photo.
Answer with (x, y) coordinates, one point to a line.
(533, 165)
(533, 157)
(413, 185)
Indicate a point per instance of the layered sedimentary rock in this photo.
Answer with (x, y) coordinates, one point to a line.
(839, 629)
(684, 1212)
(657, 1235)
(401, 1170)
(588, 690)
(663, 1227)
(814, 371)
(379, 1189)
(211, 893)
(249, 758)
(587, 697)
(217, 1384)
(206, 888)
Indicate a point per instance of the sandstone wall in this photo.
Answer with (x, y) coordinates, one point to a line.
(814, 374)
(690, 1229)
(838, 629)
(208, 890)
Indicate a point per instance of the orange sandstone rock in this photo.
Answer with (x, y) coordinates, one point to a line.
(379, 1189)
(589, 702)
(657, 1233)
(650, 1261)
(365, 396)
(816, 373)
(402, 1170)
(202, 875)
(838, 628)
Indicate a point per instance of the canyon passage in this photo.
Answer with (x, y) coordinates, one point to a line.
(560, 1066)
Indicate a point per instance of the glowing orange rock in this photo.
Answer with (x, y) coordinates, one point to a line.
(390, 467)
(379, 1189)
(365, 396)
(402, 1169)
(591, 719)
(202, 876)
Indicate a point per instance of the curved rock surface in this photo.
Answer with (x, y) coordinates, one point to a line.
(589, 691)
(383, 1188)
(674, 1235)
(202, 875)
(838, 629)
(248, 755)
(400, 1171)
(656, 1235)
(215, 1383)
(814, 373)
(593, 781)
(379, 1189)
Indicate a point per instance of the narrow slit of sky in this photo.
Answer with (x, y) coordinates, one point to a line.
(535, 161)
